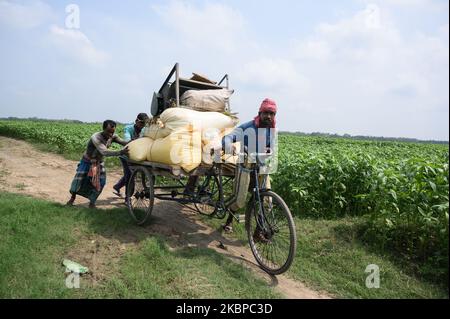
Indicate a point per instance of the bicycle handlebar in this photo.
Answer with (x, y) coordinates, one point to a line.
(253, 156)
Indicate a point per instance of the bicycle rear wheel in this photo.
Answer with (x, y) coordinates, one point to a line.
(208, 195)
(140, 195)
(271, 233)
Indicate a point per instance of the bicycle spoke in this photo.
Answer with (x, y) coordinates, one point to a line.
(140, 195)
(209, 188)
(271, 233)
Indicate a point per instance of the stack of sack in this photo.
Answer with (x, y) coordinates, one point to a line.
(206, 100)
(182, 137)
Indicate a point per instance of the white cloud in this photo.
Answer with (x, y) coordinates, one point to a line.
(374, 71)
(77, 45)
(408, 3)
(270, 73)
(371, 25)
(24, 16)
(411, 5)
(364, 21)
(313, 49)
(214, 25)
(366, 77)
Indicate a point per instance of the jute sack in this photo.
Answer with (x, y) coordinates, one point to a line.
(183, 120)
(206, 100)
(177, 149)
(139, 148)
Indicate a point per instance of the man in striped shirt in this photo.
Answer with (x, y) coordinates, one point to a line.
(90, 177)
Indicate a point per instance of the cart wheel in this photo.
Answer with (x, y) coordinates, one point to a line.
(208, 195)
(273, 244)
(140, 195)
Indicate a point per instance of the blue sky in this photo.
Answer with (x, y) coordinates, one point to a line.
(361, 67)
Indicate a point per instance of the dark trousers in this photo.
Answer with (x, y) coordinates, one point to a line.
(126, 175)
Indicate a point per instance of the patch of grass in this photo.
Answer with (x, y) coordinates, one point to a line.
(156, 272)
(407, 244)
(238, 228)
(37, 235)
(3, 172)
(34, 235)
(20, 186)
(331, 257)
(69, 139)
(49, 148)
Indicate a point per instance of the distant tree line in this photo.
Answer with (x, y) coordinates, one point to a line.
(367, 138)
(47, 120)
(317, 134)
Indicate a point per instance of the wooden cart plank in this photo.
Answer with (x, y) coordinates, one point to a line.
(177, 172)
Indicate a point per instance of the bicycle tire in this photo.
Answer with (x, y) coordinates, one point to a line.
(263, 249)
(140, 195)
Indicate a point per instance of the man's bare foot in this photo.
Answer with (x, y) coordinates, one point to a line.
(227, 229)
(259, 237)
(117, 192)
(70, 202)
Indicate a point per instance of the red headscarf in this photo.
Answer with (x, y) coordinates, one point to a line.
(268, 105)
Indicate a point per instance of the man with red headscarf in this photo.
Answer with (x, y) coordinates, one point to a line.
(259, 127)
(266, 115)
(257, 136)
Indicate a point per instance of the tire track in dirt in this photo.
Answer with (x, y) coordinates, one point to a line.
(25, 170)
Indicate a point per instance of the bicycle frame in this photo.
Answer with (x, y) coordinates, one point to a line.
(216, 171)
(260, 213)
(256, 198)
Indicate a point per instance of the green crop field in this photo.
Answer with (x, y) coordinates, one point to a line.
(398, 189)
(62, 137)
(401, 188)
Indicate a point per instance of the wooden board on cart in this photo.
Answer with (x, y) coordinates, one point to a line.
(177, 172)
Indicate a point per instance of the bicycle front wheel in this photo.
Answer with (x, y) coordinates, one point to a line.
(271, 233)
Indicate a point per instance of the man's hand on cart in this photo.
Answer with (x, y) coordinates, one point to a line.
(218, 149)
(252, 157)
(217, 152)
(125, 151)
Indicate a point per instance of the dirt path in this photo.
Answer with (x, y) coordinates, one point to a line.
(25, 170)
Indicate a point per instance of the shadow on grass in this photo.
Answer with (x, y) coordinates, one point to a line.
(357, 233)
(181, 231)
(178, 236)
(235, 272)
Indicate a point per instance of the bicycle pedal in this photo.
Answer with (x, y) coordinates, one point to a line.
(241, 218)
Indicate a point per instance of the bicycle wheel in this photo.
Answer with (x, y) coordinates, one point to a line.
(271, 233)
(208, 195)
(140, 195)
